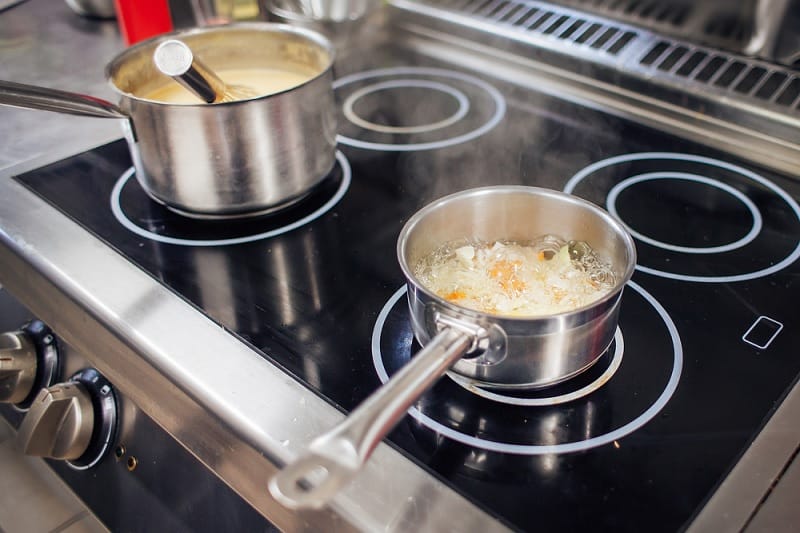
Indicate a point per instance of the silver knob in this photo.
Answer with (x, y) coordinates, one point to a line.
(17, 366)
(59, 423)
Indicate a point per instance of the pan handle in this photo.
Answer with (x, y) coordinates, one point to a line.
(44, 98)
(336, 457)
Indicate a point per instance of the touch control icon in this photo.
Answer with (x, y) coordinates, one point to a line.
(762, 332)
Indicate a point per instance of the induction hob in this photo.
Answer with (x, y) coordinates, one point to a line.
(704, 350)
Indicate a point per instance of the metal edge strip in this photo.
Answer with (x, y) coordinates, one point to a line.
(749, 484)
(237, 413)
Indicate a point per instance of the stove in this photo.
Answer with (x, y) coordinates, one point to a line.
(308, 306)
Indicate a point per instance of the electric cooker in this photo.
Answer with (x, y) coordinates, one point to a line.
(212, 352)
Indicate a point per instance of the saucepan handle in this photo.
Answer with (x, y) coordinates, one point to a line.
(336, 457)
(44, 98)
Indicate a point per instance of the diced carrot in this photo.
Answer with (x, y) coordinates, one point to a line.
(540, 255)
(505, 272)
(455, 295)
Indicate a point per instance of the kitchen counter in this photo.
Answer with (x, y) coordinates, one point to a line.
(43, 42)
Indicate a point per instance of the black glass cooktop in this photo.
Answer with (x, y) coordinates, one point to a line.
(705, 348)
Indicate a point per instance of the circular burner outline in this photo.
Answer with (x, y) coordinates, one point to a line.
(119, 213)
(791, 258)
(611, 201)
(350, 114)
(500, 107)
(616, 360)
(567, 447)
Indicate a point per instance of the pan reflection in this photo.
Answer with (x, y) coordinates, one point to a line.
(497, 425)
(279, 294)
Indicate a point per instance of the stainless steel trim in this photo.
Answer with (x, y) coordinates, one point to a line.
(240, 418)
(747, 488)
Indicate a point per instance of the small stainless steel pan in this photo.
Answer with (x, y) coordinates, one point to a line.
(496, 351)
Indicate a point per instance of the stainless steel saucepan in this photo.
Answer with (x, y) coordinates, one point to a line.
(496, 351)
(226, 159)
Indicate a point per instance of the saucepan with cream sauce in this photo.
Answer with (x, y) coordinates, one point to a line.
(513, 287)
(229, 159)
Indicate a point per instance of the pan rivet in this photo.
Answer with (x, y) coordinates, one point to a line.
(119, 451)
(131, 463)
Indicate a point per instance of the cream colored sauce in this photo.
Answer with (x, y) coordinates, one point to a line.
(260, 81)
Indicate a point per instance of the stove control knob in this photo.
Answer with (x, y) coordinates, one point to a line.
(17, 367)
(74, 421)
(59, 423)
(28, 362)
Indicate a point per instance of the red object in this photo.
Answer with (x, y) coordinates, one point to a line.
(140, 19)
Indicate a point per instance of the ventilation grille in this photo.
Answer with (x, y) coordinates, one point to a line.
(544, 19)
(719, 24)
(737, 75)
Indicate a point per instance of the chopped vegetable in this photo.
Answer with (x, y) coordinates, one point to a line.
(546, 276)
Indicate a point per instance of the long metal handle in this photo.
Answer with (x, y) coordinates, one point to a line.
(44, 98)
(334, 458)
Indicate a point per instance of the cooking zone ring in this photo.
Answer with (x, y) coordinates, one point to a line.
(507, 398)
(119, 214)
(496, 116)
(565, 447)
(758, 220)
(740, 172)
(352, 116)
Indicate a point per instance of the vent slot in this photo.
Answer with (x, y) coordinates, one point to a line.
(528, 17)
(540, 20)
(774, 82)
(788, 96)
(654, 53)
(672, 58)
(590, 31)
(516, 13)
(555, 25)
(604, 38)
(730, 73)
(691, 64)
(575, 26)
(711, 69)
(620, 43)
(750, 80)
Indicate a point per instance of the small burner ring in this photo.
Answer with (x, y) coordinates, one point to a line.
(475, 388)
(739, 243)
(349, 112)
(493, 120)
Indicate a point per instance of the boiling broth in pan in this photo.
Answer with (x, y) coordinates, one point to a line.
(263, 81)
(546, 276)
